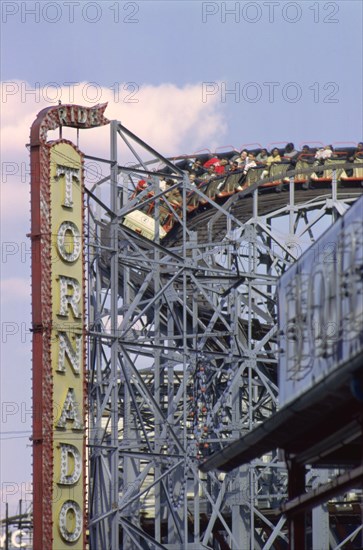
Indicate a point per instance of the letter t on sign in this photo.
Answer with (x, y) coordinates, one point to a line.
(69, 174)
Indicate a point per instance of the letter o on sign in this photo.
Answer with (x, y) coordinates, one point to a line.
(65, 245)
(70, 515)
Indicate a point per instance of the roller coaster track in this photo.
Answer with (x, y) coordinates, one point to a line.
(183, 360)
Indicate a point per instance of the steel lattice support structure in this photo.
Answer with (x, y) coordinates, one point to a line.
(183, 354)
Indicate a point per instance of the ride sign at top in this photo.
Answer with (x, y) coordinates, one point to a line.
(81, 117)
(73, 116)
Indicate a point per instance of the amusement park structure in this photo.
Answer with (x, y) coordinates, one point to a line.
(183, 354)
(182, 347)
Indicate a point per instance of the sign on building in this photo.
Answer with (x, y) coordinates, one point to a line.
(320, 307)
(58, 307)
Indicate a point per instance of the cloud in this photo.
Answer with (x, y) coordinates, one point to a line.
(15, 288)
(15, 216)
(173, 120)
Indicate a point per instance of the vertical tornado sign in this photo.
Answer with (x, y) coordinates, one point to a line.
(58, 309)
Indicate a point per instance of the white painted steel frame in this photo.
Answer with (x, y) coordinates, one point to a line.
(182, 360)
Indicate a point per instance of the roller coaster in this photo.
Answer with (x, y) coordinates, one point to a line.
(307, 174)
(183, 343)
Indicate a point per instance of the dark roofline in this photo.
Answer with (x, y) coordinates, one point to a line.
(292, 420)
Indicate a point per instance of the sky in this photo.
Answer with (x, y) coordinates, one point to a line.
(184, 76)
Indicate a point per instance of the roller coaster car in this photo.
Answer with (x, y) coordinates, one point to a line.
(143, 224)
(218, 189)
